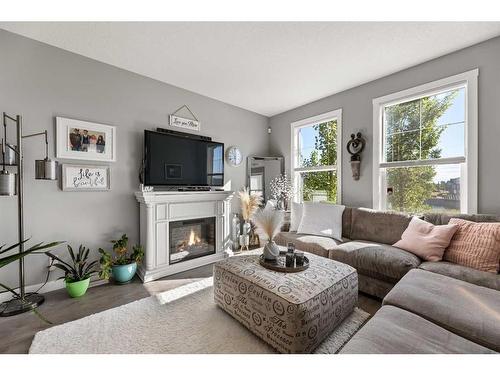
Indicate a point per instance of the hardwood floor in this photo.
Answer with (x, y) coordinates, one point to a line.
(17, 332)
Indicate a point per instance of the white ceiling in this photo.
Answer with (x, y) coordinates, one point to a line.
(264, 67)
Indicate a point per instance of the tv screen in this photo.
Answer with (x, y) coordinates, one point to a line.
(178, 161)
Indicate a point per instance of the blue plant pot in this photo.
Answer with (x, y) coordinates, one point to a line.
(124, 273)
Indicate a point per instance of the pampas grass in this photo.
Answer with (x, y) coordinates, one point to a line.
(269, 221)
(249, 203)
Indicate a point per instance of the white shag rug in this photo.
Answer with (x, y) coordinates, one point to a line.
(179, 321)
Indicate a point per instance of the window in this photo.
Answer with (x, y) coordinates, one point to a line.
(257, 183)
(425, 147)
(215, 165)
(316, 155)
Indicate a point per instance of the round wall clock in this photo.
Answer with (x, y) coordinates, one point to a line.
(233, 156)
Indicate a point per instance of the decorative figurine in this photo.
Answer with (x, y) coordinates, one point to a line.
(355, 147)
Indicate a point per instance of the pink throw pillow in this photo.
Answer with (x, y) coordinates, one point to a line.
(475, 245)
(426, 240)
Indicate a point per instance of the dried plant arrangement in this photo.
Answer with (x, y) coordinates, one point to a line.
(268, 221)
(250, 202)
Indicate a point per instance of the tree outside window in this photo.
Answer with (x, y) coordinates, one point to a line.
(424, 132)
(315, 158)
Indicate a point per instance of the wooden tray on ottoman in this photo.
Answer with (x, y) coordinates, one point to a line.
(279, 264)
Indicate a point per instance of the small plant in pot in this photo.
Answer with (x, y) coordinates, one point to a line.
(120, 264)
(77, 272)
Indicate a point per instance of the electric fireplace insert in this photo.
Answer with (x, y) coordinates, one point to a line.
(190, 239)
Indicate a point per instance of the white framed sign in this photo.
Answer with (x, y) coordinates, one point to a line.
(83, 140)
(185, 123)
(85, 177)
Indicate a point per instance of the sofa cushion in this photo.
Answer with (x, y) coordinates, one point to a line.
(376, 260)
(322, 219)
(346, 222)
(295, 216)
(481, 278)
(396, 331)
(378, 226)
(426, 240)
(313, 244)
(465, 309)
(475, 245)
(442, 219)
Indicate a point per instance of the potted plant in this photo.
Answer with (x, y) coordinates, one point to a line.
(8, 259)
(77, 272)
(122, 266)
(282, 191)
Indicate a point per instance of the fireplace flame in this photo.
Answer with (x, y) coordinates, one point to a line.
(193, 239)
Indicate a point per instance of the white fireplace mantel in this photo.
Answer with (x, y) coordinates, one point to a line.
(158, 209)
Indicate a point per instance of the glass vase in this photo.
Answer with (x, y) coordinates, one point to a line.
(245, 235)
(235, 232)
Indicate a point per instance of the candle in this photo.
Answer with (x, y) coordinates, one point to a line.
(289, 260)
(299, 258)
(290, 247)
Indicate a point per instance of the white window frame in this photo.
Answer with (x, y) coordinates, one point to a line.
(295, 126)
(468, 187)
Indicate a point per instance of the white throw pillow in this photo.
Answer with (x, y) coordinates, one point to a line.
(322, 219)
(270, 204)
(295, 216)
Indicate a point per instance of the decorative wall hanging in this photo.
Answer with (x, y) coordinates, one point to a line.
(85, 140)
(355, 147)
(183, 122)
(85, 177)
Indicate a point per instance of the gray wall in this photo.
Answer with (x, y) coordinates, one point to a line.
(39, 82)
(356, 107)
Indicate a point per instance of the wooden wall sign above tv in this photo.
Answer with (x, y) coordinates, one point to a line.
(183, 122)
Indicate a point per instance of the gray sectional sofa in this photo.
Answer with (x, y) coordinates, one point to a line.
(428, 307)
(368, 236)
(428, 313)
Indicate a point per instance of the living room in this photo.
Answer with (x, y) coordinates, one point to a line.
(241, 187)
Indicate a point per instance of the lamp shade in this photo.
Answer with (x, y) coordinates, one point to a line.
(10, 155)
(7, 183)
(46, 169)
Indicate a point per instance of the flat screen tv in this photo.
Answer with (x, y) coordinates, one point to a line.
(173, 160)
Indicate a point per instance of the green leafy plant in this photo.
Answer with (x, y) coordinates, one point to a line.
(78, 268)
(7, 259)
(324, 153)
(121, 256)
(120, 247)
